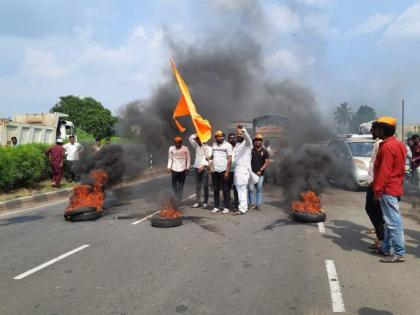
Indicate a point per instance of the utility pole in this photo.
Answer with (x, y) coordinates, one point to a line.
(402, 122)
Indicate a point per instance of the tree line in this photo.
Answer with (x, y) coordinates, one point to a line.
(348, 121)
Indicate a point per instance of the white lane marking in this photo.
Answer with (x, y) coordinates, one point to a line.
(336, 296)
(321, 227)
(145, 218)
(50, 262)
(12, 212)
(151, 215)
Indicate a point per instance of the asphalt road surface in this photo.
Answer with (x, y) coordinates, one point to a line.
(258, 263)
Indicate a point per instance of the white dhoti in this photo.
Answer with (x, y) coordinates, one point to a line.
(242, 179)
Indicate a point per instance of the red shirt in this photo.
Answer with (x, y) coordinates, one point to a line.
(389, 169)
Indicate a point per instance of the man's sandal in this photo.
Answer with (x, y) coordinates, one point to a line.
(392, 259)
(238, 213)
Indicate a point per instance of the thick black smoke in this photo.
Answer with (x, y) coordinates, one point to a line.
(306, 169)
(229, 81)
(118, 160)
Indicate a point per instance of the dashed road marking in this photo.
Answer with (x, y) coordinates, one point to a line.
(151, 215)
(50, 262)
(336, 296)
(321, 227)
(144, 219)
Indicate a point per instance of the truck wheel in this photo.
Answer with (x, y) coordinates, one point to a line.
(307, 217)
(159, 222)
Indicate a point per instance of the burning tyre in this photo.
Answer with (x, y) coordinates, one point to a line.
(87, 201)
(309, 209)
(169, 216)
(159, 222)
(307, 217)
(82, 214)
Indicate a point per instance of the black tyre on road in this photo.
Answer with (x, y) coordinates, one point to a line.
(82, 214)
(159, 222)
(307, 217)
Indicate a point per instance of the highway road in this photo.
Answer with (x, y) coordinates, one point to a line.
(258, 263)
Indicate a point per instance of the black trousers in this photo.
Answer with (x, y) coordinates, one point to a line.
(235, 192)
(201, 180)
(374, 211)
(219, 182)
(69, 171)
(178, 180)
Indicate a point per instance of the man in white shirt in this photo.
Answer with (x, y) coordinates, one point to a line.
(243, 172)
(222, 159)
(372, 206)
(201, 166)
(178, 164)
(72, 151)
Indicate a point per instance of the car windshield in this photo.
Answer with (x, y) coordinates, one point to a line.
(361, 148)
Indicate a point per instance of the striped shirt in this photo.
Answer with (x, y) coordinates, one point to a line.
(221, 152)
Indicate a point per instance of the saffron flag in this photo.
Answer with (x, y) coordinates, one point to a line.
(186, 107)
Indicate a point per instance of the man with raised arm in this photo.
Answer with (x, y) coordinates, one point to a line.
(243, 172)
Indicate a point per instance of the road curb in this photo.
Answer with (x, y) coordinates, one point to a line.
(63, 193)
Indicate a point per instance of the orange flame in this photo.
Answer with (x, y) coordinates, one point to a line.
(90, 195)
(310, 203)
(169, 210)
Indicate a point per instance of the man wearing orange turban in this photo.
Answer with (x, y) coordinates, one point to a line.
(389, 171)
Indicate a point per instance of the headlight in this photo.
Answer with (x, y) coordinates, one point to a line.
(360, 164)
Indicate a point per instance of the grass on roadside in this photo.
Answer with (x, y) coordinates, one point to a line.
(38, 188)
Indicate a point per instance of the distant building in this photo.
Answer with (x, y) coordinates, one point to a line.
(408, 128)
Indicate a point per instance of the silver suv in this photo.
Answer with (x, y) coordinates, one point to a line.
(353, 153)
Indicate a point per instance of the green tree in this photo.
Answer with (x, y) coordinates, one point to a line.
(87, 114)
(364, 114)
(343, 117)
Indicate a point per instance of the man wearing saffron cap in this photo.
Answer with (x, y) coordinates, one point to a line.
(178, 165)
(388, 174)
(243, 171)
(201, 166)
(222, 159)
(259, 162)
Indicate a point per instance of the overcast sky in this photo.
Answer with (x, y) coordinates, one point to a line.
(359, 51)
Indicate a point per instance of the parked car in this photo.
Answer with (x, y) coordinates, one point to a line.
(354, 154)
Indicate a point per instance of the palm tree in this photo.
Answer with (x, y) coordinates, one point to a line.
(343, 116)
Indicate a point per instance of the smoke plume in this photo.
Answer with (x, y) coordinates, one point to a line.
(229, 81)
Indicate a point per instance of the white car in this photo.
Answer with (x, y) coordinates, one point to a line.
(354, 154)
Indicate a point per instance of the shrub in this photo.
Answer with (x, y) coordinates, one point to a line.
(22, 166)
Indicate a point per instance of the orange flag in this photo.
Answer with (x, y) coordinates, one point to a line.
(186, 107)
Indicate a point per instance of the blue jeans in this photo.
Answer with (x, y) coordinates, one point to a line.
(394, 232)
(258, 188)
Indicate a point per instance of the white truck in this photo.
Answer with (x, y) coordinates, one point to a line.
(36, 128)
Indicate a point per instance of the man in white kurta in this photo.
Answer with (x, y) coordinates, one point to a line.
(243, 173)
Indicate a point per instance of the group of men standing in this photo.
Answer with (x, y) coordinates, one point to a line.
(64, 158)
(237, 164)
(386, 171)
